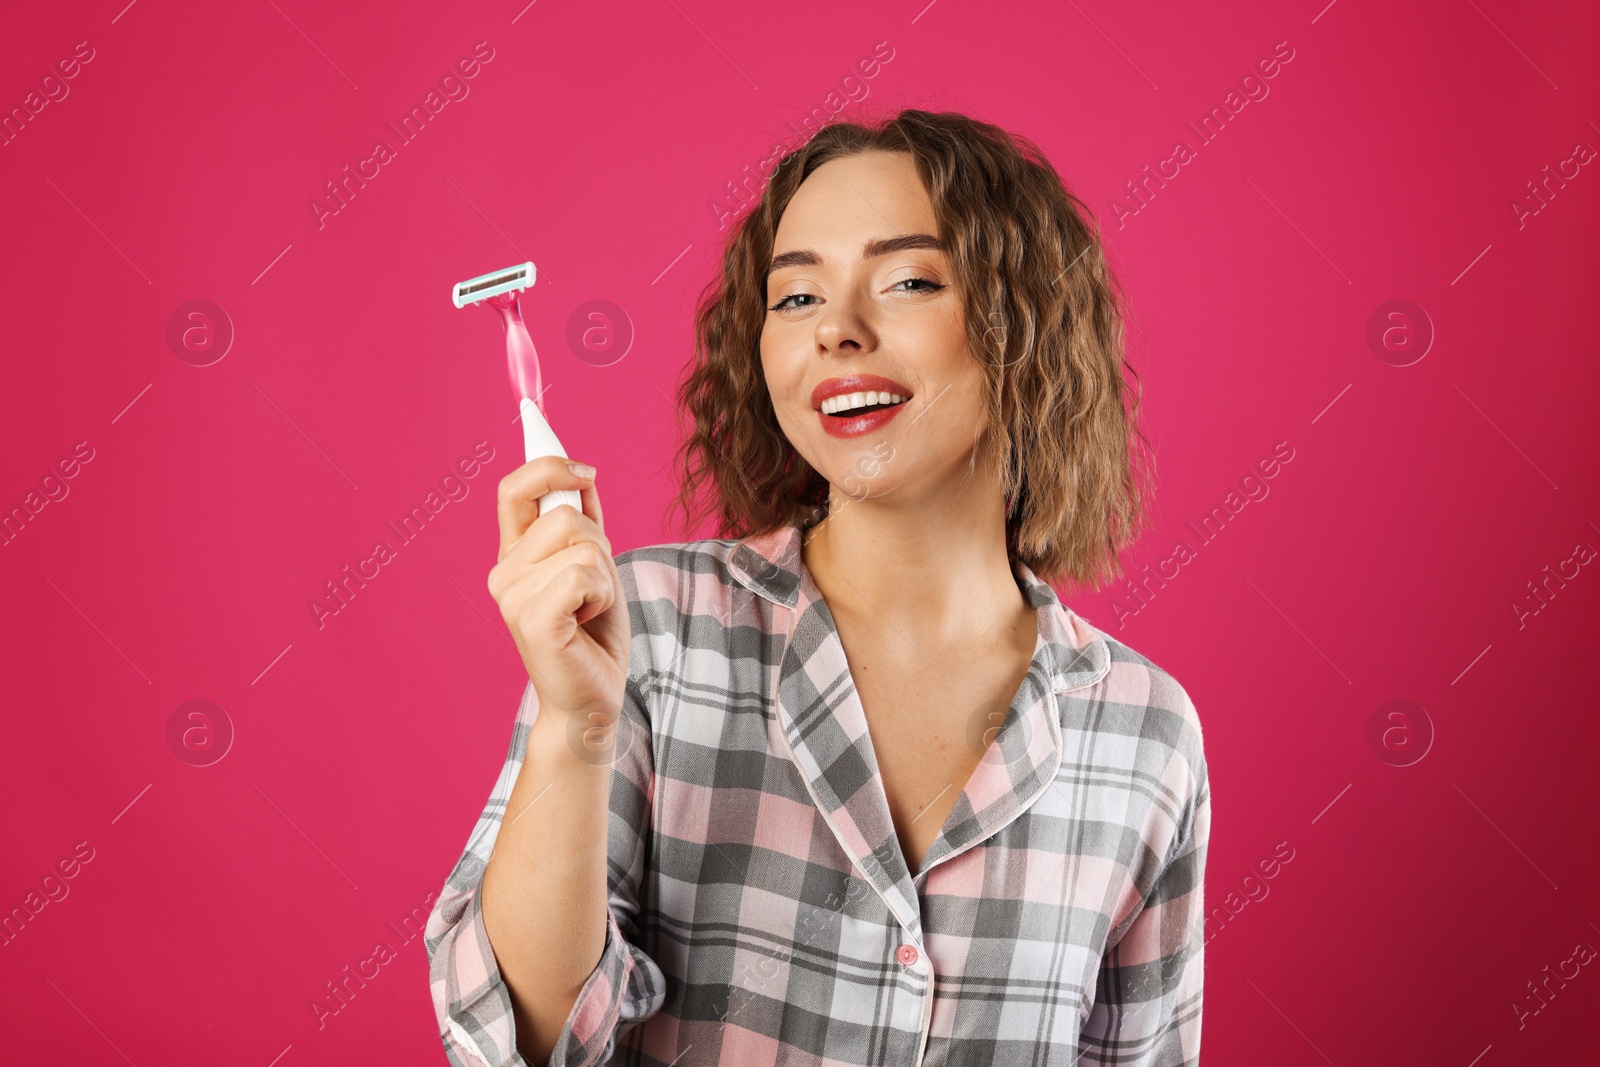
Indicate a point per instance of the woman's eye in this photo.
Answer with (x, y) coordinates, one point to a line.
(785, 305)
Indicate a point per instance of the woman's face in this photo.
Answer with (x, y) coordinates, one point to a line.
(849, 314)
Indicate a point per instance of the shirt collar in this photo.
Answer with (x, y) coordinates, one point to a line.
(769, 565)
(820, 718)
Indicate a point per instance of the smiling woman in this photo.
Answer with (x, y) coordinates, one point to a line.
(1002, 273)
(850, 784)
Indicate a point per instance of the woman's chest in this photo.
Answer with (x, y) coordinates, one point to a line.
(929, 729)
(789, 759)
(931, 710)
(757, 826)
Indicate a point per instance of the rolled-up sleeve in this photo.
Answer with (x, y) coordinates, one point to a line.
(1149, 991)
(470, 998)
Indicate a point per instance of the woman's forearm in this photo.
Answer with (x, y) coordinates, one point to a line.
(544, 888)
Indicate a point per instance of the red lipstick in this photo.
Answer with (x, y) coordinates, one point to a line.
(864, 422)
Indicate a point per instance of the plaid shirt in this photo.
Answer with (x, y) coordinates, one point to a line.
(761, 910)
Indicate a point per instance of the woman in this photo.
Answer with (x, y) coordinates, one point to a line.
(852, 785)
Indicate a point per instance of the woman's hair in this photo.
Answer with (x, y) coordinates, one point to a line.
(1043, 316)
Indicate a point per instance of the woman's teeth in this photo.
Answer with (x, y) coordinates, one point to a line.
(837, 405)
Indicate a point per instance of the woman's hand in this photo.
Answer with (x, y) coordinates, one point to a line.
(561, 596)
(544, 886)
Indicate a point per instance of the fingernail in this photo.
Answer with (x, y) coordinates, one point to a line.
(581, 470)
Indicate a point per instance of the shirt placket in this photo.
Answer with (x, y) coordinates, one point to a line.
(824, 729)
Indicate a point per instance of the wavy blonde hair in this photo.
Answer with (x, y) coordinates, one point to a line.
(1044, 316)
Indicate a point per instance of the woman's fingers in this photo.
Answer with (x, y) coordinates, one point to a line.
(591, 505)
(579, 588)
(521, 582)
(554, 531)
(517, 501)
(558, 587)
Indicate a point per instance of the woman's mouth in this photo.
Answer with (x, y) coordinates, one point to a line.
(858, 404)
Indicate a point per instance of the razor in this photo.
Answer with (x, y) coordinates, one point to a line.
(499, 289)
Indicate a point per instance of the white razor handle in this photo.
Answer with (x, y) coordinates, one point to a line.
(538, 439)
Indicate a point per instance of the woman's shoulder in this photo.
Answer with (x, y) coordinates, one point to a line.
(1145, 703)
(653, 569)
(687, 577)
(1150, 693)
(682, 597)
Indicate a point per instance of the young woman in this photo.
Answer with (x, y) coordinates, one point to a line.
(851, 785)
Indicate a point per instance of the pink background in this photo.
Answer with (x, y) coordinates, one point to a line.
(1383, 564)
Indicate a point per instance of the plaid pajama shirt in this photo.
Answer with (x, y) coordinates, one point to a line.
(761, 911)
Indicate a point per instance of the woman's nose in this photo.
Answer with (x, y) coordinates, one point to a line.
(843, 324)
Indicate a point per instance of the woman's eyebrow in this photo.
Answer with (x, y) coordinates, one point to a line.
(878, 246)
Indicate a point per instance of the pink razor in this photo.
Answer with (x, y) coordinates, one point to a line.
(500, 290)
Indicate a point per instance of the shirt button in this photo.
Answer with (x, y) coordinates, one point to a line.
(906, 954)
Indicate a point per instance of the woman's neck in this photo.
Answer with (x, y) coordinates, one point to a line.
(936, 569)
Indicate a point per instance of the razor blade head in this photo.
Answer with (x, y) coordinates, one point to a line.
(509, 280)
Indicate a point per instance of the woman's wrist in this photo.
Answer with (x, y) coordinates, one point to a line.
(569, 743)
